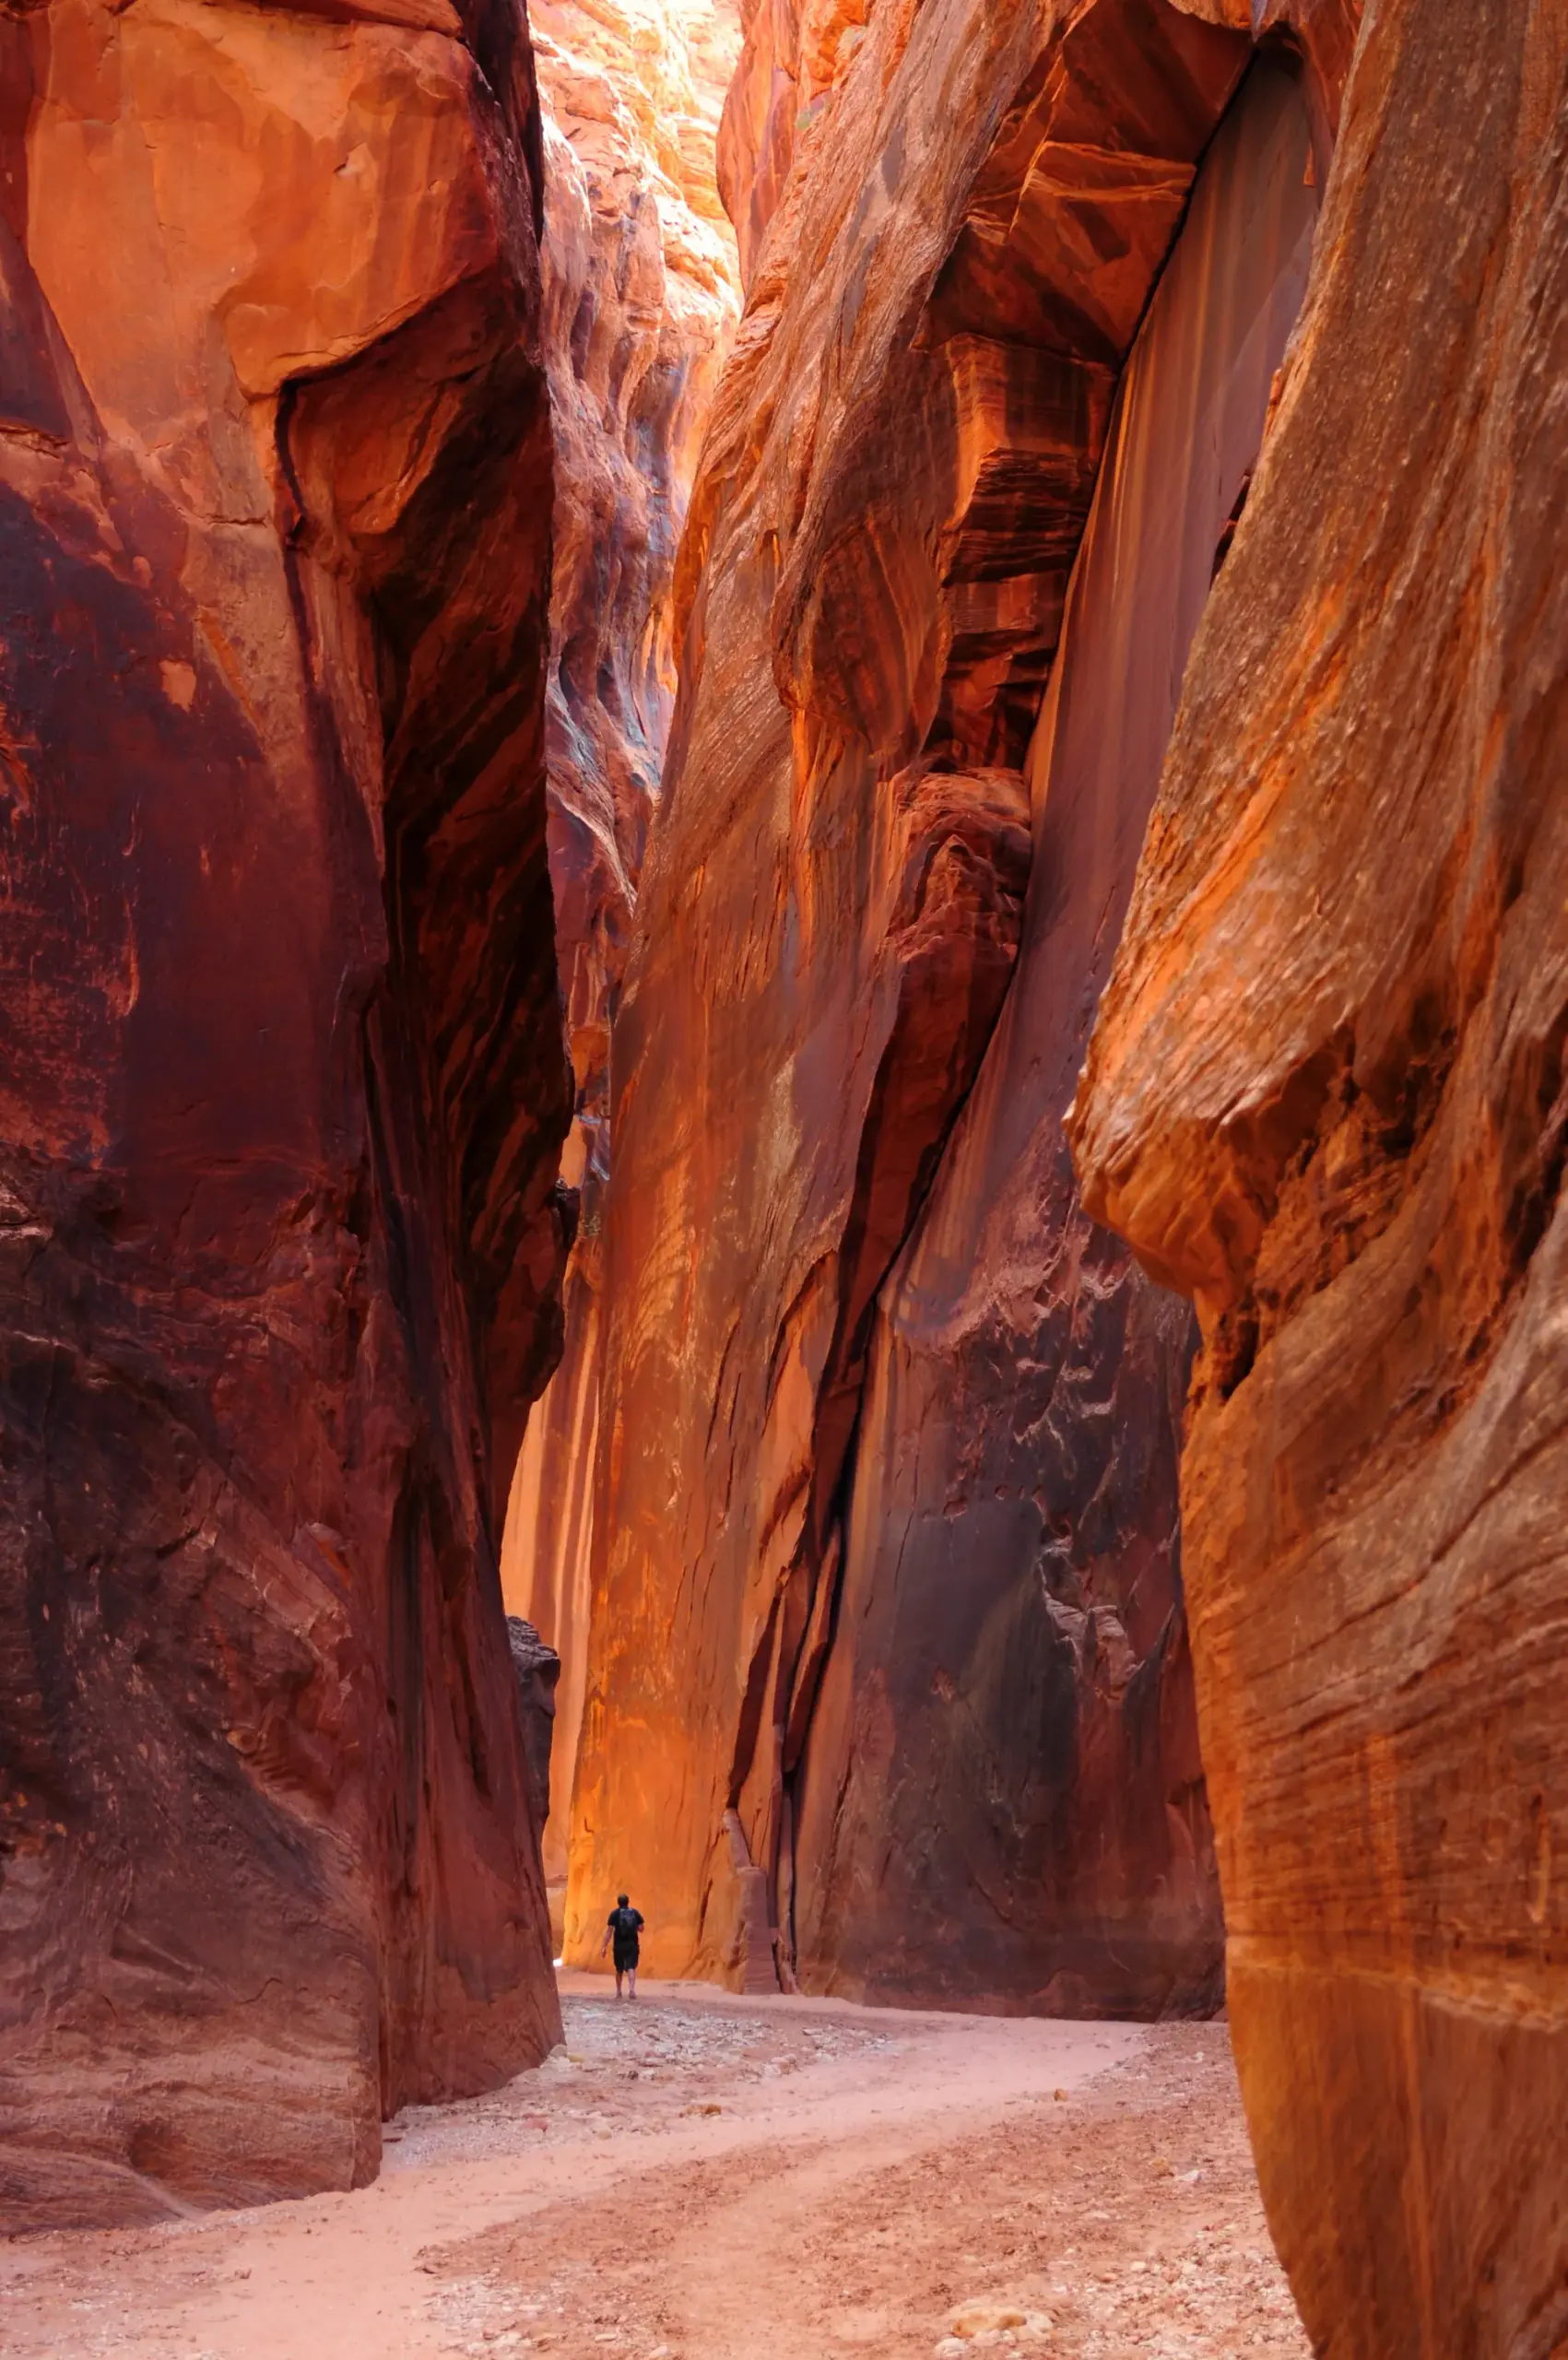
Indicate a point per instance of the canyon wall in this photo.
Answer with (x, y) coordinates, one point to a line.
(641, 298)
(284, 1084)
(793, 56)
(1007, 1701)
(1326, 1098)
(888, 1642)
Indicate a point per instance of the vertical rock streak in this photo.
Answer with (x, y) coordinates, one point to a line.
(1008, 1709)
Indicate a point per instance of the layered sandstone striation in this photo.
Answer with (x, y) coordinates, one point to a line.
(888, 1606)
(641, 298)
(284, 1084)
(1326, 1098)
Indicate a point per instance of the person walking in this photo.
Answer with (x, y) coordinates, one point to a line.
(625, 1925)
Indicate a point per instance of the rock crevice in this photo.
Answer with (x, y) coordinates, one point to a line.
(640, 300)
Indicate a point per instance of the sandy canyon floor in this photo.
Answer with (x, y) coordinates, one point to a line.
(701, 2178)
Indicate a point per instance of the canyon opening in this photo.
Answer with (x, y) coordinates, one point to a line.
(783, 948)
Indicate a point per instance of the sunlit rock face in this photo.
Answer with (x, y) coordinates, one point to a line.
(284, 1085)
(641, 298)
(886, 1567)
(794, 55)
(1326, 1098)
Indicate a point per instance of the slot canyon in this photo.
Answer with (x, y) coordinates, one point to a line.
(783, 955)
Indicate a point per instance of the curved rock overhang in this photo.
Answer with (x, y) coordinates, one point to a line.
(1011, 1616)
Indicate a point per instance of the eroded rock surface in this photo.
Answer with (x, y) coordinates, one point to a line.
(283, 1085)
(640, 297)
(793, 57)
(1326, 1098)
(537, 1669)
(886, 1563)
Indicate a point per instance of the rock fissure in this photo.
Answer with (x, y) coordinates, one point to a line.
(639, 300)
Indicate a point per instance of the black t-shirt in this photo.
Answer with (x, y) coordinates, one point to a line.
(625, 1925)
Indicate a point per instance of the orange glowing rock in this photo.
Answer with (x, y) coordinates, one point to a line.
(641, 298)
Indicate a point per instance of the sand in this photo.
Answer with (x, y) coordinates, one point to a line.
(700, 2177)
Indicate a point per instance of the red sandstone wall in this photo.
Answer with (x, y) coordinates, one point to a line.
(1326, 1098)
(794, 54)
(641, 300)
(1008, 1700)
(283, 1085)
(944, 287)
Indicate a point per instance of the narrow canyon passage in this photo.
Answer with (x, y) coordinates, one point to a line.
(784, 1108)
(705, 2179)
(642, 298)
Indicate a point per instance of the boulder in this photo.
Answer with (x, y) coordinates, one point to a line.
(537, 1671)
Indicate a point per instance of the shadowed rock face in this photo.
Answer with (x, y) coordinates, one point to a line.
(640, 301)
(886, 1564)
(283, 1084)
(537, 1671)
(1326, 1098)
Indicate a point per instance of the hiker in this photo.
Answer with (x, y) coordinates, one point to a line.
(625, 1925)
